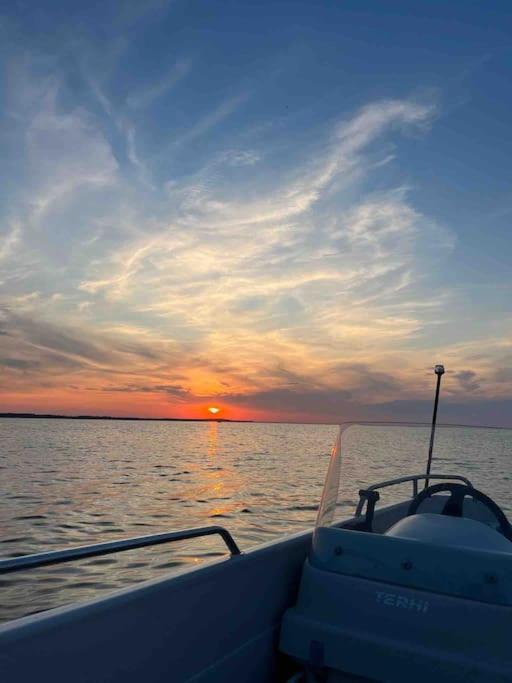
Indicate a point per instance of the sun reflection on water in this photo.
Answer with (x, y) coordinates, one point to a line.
(213, 429)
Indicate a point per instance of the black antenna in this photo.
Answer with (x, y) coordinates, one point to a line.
(439, 370)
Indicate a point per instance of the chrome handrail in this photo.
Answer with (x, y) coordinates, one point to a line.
(68, 555)
(401, 480)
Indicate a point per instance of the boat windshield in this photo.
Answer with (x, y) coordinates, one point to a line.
(366, 454)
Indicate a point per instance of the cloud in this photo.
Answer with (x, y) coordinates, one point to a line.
(65, 151)
(288, 284)
(503, 375)
(145, 97)
(216, 116)
(297, 266)
(358, 132)
(467, 380)
(9, 241)
(175, 391)
(79, 347)
(20, 363)
(242, 157)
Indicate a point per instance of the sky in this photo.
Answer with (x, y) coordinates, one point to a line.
(289, 210)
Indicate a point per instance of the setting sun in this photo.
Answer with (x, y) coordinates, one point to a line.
(213, 410)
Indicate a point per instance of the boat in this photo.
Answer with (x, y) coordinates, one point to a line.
(418, 589)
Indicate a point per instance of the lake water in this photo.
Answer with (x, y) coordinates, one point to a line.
(73, 482)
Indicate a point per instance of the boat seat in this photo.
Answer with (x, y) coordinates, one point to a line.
(457, 532)
(483, 574)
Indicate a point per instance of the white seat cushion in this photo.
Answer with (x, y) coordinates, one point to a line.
(452, 531)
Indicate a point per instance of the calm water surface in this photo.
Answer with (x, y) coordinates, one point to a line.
(67, 483)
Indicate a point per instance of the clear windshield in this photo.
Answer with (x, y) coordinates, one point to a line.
(370, 453)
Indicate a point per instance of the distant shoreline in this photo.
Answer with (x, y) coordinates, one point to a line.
(40, 416)
(50, 416)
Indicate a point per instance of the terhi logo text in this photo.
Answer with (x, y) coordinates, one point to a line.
(401, 601)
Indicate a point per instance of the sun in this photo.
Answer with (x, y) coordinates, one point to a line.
(213, 410)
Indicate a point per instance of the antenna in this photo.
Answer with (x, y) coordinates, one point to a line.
(439, 370)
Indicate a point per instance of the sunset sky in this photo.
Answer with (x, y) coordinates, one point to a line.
(289, 210)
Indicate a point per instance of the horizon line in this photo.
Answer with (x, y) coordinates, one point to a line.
(53, 416)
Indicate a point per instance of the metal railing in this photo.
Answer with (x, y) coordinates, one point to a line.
(59, 556)
(415, 478)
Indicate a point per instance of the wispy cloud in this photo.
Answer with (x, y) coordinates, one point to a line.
(144, 97)
(9, 240)
(205, 124)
